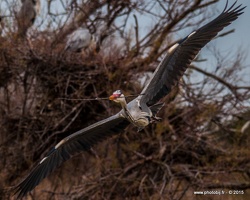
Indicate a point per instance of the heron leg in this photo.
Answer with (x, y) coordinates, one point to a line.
(139, 129)
(155, 119)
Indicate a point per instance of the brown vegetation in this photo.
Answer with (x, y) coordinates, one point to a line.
(197, 146)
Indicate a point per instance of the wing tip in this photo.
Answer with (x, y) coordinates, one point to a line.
(232, 9)
(17, 192)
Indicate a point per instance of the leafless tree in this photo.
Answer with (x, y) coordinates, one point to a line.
(198, 145)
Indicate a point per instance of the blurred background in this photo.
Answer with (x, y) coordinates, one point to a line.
(202, 142)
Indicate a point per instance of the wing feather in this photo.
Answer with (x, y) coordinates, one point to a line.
(179, 57)
(80, 141)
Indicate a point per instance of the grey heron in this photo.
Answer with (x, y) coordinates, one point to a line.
(142, 110)
(80, 39)
(27, 15)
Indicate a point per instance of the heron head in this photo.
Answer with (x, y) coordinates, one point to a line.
(117, 96)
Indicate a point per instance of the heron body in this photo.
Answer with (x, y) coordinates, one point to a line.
(27, 15)
(134, 113)
(142, 110)
(78, 40)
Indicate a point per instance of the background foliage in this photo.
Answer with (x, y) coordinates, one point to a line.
(199, 144)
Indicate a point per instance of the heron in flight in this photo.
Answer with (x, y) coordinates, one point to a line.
(142, 110)
(80, 39)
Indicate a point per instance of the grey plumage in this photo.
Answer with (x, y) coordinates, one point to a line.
(27, 15)
(142, 110)
(79, 39)
(182, 55)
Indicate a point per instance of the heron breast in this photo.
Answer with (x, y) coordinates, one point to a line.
(142, 122)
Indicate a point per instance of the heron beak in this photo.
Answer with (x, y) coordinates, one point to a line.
(112, 97)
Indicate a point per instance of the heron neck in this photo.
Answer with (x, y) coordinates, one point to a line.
(126, 111)
(124, 104)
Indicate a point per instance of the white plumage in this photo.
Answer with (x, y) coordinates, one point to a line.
(79, 39)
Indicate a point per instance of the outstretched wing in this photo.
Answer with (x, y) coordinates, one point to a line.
(80, 141)
(179, 56)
